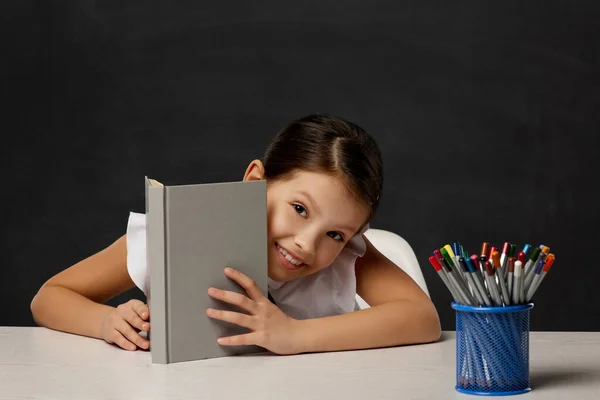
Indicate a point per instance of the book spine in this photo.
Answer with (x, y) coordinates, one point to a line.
(157, 265)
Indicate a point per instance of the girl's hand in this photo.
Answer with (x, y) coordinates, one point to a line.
(271, 328)
(118, 326)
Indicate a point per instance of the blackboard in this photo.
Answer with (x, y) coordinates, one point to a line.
(486, 113)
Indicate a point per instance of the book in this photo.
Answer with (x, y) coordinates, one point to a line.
(193, 232)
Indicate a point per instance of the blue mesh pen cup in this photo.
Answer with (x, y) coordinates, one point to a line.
(492, 349)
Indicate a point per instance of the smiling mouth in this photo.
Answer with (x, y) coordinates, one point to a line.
(287, 260)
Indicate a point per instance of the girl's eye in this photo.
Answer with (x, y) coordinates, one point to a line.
(300, 210)
(336, 236)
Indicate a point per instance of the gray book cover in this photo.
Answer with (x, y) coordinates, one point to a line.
(193, 233)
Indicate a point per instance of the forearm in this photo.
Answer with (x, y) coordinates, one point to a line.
(62, 309)
(391, 324)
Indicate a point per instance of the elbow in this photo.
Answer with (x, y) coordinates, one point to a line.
(37, 305)
(426, 323)
(432, 328)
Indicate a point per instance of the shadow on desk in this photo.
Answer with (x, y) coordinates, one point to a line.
(549, 379)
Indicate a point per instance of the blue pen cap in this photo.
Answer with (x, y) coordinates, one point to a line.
(526, 250)
(540, 266)
(456, 249)
(470, 264)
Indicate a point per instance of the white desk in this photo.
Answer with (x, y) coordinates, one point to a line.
(37, 363)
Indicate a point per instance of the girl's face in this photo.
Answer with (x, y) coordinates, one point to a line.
(311, 216)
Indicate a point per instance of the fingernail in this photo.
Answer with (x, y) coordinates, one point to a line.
(145, 345)
(209, 311)
(144, 315)
(144, 327)
(132, 347)
(228, 270)
(211, 290)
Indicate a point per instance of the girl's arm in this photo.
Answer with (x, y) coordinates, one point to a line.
(400, 313)
(71, 301)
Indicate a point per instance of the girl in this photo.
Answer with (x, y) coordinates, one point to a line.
(324, 179)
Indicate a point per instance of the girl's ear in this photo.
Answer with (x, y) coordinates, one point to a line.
(255, 171)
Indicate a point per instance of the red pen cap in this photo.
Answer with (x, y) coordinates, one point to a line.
(436, 264)
(549, 262)
(505, 248)
(488, 268)
(475, 259)
(438, 254)
(511, 264)
(496, 258)
(522, 257)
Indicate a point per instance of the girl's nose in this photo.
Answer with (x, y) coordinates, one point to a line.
(307, 242)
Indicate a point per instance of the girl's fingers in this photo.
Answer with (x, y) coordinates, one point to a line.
(126, 330)
(118, 339)
(247, 283)
(128, 314)
(232, 317)
(239, 340)
(234, 298)
(142, 310)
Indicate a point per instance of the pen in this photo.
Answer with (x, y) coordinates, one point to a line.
(535, 280)
(474, 291)
(452, 277)
(504, 259)
(526, 250)
(511, 273)
(438, 267)
(485, 248)
(516, 295)
(455, 253)
(492, 283)
(498, 266)
(459, 277)
(549, 262)
(511, 251)
(532, 260)
(530, 274)
(471, 264)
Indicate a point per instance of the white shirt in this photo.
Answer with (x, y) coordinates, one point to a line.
(330, 291)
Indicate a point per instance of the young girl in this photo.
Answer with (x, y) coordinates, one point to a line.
(324, 179)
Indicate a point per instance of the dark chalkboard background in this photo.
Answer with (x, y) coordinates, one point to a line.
(486, 112)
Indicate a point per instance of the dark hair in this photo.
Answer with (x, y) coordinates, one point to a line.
(323, 143)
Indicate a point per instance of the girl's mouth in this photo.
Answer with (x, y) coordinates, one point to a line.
(287, 260)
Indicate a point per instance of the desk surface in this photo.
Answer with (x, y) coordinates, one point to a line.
(38, 363)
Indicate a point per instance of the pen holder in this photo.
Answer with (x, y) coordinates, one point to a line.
(492, 349)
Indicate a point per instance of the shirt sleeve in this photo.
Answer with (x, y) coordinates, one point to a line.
(136, 251)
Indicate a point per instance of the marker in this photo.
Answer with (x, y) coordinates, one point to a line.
(453, 253)
(535, 280)
(485, 251)
(500, 275)
(471, 264)
(438, 268)
(455, 279)
(492, 283)
(511, 251)
(549, 262)
(531, 272)
(474, 291)
(504, 259)
(511, 272)
(516, 295)
(485, 248)
(526, 250)
(522, 257)
(438, 256)
(532, 260)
